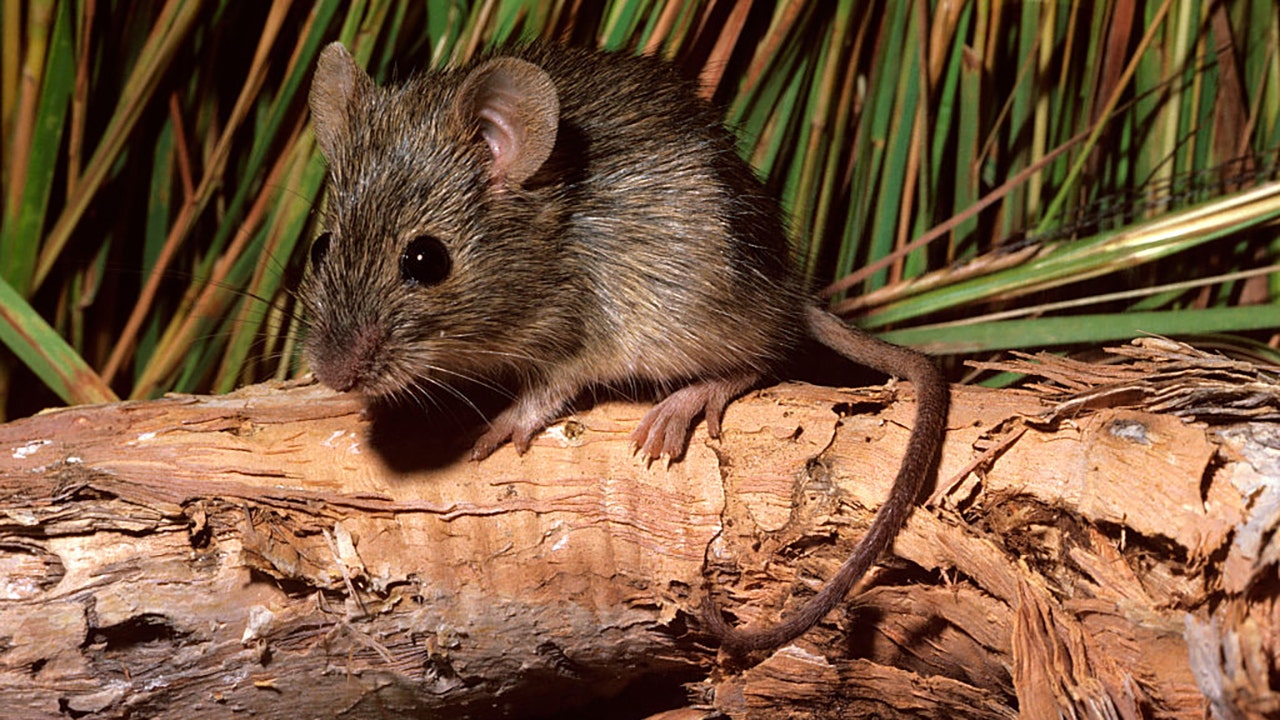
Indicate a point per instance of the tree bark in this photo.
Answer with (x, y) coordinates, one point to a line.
(277, 552)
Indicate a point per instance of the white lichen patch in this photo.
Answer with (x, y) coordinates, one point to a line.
(26, 451)
(353, 444)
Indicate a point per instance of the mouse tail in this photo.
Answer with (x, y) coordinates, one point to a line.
(923, 446)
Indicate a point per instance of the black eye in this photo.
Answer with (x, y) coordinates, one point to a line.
(425, 261)
(319, 249)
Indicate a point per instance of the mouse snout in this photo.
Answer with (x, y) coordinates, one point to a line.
(353, 363)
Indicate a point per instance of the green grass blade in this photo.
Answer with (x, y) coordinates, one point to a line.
(1084, 329)
(176, 20)
(1112, 252)
(45, 353)
(18, 250)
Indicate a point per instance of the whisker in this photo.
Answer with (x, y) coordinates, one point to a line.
(479, 380)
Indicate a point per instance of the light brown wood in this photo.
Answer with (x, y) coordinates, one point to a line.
(198, 556)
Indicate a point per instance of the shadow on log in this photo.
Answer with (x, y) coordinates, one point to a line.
(197, 556)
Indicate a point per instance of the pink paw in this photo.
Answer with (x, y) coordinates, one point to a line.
(499, 433)
(664, 431)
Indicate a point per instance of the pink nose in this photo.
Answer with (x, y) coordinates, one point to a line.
(352, 364)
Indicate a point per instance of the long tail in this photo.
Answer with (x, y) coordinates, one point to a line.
(933, 398)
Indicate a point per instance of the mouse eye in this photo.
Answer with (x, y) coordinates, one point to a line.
(425, 261)
(319, 249)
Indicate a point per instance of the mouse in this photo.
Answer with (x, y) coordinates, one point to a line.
(561, 220)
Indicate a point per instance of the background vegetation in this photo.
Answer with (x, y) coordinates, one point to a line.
(971, 176)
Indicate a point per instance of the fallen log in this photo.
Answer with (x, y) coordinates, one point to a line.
(276, 551)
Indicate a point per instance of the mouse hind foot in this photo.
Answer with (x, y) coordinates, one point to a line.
(664, 431)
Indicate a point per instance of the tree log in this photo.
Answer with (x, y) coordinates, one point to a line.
(281, 553)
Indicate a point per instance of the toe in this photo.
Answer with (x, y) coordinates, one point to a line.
(640, 436)
(523, 438)
(489, 442)
(676, 439)
(713, 420)
(651, 448)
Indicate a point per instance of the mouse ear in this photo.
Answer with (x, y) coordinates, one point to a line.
(338, 82)
(516, 105)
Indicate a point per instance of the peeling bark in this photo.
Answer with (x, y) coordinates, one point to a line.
(273, 551)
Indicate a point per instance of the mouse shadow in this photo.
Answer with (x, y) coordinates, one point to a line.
(816, 364)
(427, 434)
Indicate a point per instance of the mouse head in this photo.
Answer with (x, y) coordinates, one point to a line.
(440, 247)
(512, 101)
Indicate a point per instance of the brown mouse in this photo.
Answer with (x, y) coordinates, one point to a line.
(560, 219)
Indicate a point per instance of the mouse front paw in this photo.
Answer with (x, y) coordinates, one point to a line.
(519, 424)
(499, 434)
